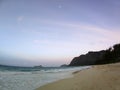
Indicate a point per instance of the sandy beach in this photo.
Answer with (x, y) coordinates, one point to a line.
(101, 77)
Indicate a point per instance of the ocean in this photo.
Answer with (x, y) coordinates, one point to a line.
(29, 78)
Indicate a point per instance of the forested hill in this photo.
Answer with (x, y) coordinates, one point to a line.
(110, 55)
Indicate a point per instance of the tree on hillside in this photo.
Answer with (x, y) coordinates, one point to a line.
(111, 55)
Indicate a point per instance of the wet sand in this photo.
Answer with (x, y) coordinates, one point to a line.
(102, 77)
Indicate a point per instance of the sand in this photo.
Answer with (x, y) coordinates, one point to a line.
(102, 77)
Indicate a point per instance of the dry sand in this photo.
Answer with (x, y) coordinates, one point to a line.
(102, 77)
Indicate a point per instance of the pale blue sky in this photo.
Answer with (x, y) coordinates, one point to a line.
(53, 32)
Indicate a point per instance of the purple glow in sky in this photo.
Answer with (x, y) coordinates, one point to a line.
(52, 32)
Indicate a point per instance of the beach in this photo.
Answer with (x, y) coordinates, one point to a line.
(99, 77)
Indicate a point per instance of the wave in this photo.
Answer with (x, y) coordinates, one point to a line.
(19, 79)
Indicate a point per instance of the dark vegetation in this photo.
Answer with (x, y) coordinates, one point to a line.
(110, 55)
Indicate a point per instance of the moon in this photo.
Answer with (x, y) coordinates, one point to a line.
(59, 6)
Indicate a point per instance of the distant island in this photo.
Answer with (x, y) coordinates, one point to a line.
(64, 65)
(110, 55)
(40, 66)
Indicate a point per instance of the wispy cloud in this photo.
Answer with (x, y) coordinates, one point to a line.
(20, 18)
(36, 41)
(110, 33)
(75, 30)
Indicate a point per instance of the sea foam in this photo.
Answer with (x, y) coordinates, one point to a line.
(30, 80)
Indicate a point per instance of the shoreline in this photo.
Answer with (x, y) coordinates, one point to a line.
(71, 75)
(97, 77)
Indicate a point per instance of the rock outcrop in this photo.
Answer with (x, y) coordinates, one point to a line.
(40, 66)
(89, 59)
(64, 65)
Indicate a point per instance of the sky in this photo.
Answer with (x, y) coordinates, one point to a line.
(53, 32)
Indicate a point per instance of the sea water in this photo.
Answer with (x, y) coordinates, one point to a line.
(17, 78)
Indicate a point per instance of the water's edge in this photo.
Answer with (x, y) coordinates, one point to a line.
(24, 79)
(70, 75)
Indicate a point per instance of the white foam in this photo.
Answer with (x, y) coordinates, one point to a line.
(32, 80)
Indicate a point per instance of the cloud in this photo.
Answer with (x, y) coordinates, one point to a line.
(81, 27)
(36, 41)
(20, 18)
(75, 31)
